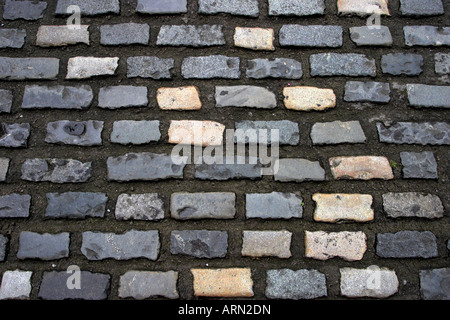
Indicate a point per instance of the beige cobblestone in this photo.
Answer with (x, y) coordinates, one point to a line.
(349, 246)
(363, 7)
(308, 98)
(254, 38)
(181, 98)
(199, 133)
(266, 244)
(361, 167)
(337, 207)
(224, 283)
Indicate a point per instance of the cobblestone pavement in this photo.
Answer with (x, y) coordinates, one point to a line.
(93, 205)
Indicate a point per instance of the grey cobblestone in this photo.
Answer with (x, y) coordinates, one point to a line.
(407, 244)
(245, 96)
(27, 10)
(275, 205)
(148, 206)
(234, 7)
(89, 8)
(311, 36)
(402, 64)
(415, 133)
(43, 246)
(426, 96)
(433, 284)
(6, 101)
(12, 38)
(76, 205)
(4, 166)
(15, 205)
(299, 170)
(135, 132)
(339, 64)
(337, 132)
(190, 35)
(16, 285)
(161, 6)
(276, 68)
(288, 132)
(358, 283)
(358, 91)
(442, 63)
(419, 165)
(56, 170)
(199, 243)
(209, 67)
(54, 36)
(295, 285)
(122, 97)
(14, 135)
(79, 133)
(125, 34)
(3, 243)
(426, 36)
(28, 68)
(296, 7)
(57, 97)
(209, 205)
(149, 67)
(419, 8)
(236, 168)
(412, 204)
(147, 284)
(367, 36)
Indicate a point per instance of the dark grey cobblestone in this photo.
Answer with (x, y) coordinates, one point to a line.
(149, 67)
(311, 36)
(190, 35)
(299, 170)
(358, 91)
(124, 34)
(6, 100)
(337, 132)
(135, 132)
(282, 68)
(43, 246)
(56, 170)
(421, 95)
(209, 67)
(147, 284)
(12, 38)
(122, 97)
(27, 10)
(367, 36)
(426, 36)
(434, 284)
(423, 133)
(4, 166)
(295, 285)
(274, 205)
(199, 243)
(211, 205)
(245, 96)
(235, 168)
(338, 64)
(148, 206)
(14, 135)
(15, 205)
(75, 205)
(3, 244)
(28, 68)
(296, 7)
(57, 97)
(161, 6)
(89, 8)
(288, 132)
(442, 63)
(412, 204)
(235, 7)
(402, 64)
(79, 133)
(420, 8)
(419, 165)
(407, 244)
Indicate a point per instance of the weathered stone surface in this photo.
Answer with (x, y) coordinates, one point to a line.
(338, 207)
(179, 98)
(57, 97)
(275, 205)
(12, 38)
(245, 96)
(212, 205)
(56, 170)
(135, 132)
(419, 165)
(225, 283)
(3, 243)
(342, 64)
(402, 64)
(337, 132)
(311, 36)
(363, 7)
(15, 206)
(421, 8)
(238, 167)
(358, 91)
(258, 244)
(373, 282)
(349, 246)
(55, 36)
(122, 97)
(79, 133)
(407, 244)
(412, 204)
(361, 168)
(94, 286)
(124, 34)
(88, 67)
(296, 7)
(199, 243)
(27, 10)
(16, 285)
(254, 38)
(299, 170)
(4, 166)
(147, 284)
(277, 68)
(368, 36)
(89, 8)
(434, 284)
(208, 67)
(145, 166)
(147, 206)
(149, 67)
(161, 6)
(99, 246)
(442, 63)
(253, 132)
(197, 133)
(428, 96)
(191, 35)
(6, 101)
(76, 205)
(426, 36)
(43, 246)
(28, 68)
(308, 98)
(235, 7)
(436, 133)
(14, 135)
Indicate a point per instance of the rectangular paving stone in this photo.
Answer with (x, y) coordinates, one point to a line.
(419, 165)
(149, 67)
(342, 64)
(399, 63)
(442, 63)
(407, 244)
(191, 35)
(234, 7)
(359, 91)
(12, 38)
(426, 36)
(94, 286)
(3, 243)
(197, 133)
(147, 206)
(88, 67)
(361, 168)
(199, 243)
(14, 135)
(43, 246)
(161, 6)
(245, 96)
(254, 38)
(15, 206)
(56, 36)
(303, 98)
(4, 166)
(422, 133)
(298, 170)
(275, 205)
(141, 285)
(209, 67)
(419, 8)
(89, 8)
(56, 170)
(28, 68)
(238, 167)
(207, 205)
(78, 133)
(341, 207)
(145, 166)
(27, 10)
(369, 36)
(57, 97)
(311, 36)
(124, 34)
(433, 284)
(135, 132)
(363, 7)
(282, 132)
(115, 97)
(322, 245)
(337, 132)
(99, 246)
(295, 285)
(412, 204)
(76, 205)
(359, 283)
(6, 100)
(276, 68)
(179, 98)
(428, 96)
(223, 283)
(257, 244)
(296, 7)
(16, 285)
